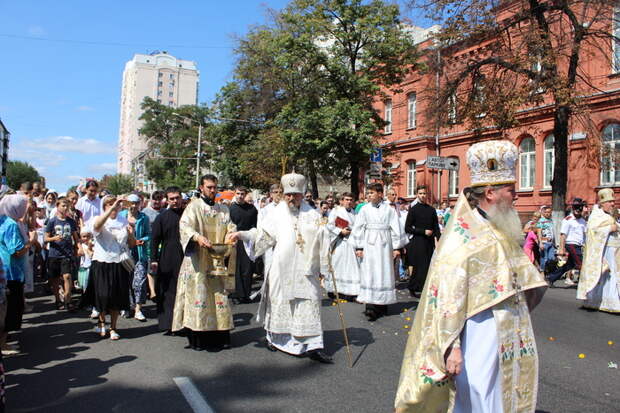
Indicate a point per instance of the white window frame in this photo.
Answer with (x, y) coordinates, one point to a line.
(527, 181)
(411, 179)
(453, 183)
(548, 152)
(615, 31)
(411, 110)
(611, 171)
(388, 116)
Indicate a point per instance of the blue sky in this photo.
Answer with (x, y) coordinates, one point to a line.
(60, 99)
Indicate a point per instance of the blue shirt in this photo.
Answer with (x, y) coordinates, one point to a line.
(11, 241)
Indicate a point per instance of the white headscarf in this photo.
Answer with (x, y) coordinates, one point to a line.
(14, 206)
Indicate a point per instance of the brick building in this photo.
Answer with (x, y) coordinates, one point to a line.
(411, 134)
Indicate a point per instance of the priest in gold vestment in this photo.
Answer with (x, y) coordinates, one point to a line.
(599, 281)
(472, 348)
(202, 308)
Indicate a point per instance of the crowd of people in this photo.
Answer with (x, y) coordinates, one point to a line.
(198, 255)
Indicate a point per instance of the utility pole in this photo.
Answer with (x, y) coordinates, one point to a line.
(198, 156)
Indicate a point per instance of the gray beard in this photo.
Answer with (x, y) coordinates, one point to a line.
(506, 220)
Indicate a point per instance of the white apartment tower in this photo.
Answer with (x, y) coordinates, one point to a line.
(160, 76)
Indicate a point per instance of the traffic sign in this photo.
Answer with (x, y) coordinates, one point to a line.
(374, 171)
(441, 162)
(376, 155)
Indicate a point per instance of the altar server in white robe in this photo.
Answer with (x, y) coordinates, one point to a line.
(600, 273)
(275, 192)
(377, 238)
(345, 264)
(291, 299)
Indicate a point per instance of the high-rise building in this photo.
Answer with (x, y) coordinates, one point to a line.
(162, 77)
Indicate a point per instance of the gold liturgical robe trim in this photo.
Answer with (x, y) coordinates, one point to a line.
(474, 268)
(201, 301)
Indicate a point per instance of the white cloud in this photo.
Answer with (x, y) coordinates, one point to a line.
(37, 31)
(39, 159)
(103, 168)
(84, 108)
(71, 144)
(74, 177)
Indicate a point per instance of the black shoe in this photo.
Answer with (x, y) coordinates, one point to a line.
(270, 347)
(318, 355)
(371, 315)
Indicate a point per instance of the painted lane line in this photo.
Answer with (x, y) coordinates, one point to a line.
(191, 393)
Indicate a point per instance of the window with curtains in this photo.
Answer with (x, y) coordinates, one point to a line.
(527, 163)
(388, 116)
(411, 178)
(549, 161)
(411, 108)
(610, 157)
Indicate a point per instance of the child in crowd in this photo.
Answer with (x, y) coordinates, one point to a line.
(61, 232)
(87, 245)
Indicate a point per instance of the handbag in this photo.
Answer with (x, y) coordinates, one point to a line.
(127, 261)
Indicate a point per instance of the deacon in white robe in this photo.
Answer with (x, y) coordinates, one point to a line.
(377, 238)
(291, 299)
(344, 263)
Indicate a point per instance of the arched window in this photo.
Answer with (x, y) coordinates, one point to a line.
(388, 116)
(453, 182)
(610, 157)
(549, 161)
(411, 179)
(527, 161)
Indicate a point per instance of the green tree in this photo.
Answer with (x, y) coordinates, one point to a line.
(313, 73)
(118, 184)
(172, 141)
(18, 172)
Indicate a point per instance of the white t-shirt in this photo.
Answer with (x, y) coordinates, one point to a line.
(88, 208)
(574, 229)
(111, 241)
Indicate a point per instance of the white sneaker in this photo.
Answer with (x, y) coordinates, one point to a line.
(94, 314)
(139, 316)
(123, 313)
(568, 281)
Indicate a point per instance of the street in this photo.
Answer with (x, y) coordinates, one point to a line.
(67, 367)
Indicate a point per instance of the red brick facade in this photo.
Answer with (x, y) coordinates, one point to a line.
(412, 137)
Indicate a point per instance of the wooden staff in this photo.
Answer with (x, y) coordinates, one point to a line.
(342, 322)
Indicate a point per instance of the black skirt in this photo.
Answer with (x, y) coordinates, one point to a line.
(109, 288)
(14, 306)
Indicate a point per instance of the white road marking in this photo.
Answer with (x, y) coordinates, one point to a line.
(196, 400)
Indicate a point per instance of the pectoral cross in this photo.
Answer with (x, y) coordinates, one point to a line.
(299, 241)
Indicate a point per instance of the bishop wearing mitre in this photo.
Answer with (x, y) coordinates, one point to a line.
(291, 297)
(472, 348)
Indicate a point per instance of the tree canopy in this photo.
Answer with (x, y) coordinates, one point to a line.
(18, 172)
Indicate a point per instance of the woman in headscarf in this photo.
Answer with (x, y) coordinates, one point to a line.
(50, 203)
(14, 245)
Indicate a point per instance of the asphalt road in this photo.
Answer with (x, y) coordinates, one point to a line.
(66, 367)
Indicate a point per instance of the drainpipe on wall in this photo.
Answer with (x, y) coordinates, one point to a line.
(437, 125)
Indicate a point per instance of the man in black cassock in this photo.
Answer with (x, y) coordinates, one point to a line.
(167, 256)
(423, 224)
(245, 216)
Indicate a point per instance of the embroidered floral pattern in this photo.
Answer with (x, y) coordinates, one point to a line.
(427, 374)
(220, 305)
(462, 228)
(200, 304)
(496, 288)
(432, 295)
(526, 348)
